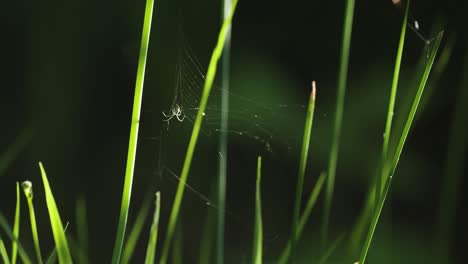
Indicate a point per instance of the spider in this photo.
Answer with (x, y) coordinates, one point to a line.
(177, 112)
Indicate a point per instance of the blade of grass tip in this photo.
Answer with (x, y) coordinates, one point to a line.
(414, 107)
(305, 215)
(3, 252)
(391, 103)
(134, 235)
(82, 229)
(258, 232)
(16, 225)
(226, 10)
(212, 68)
(150, 252)
(399, 149)
(6, 228)
(375, 220)
(63, 251)
(453, 169)
(330, 250)
(302, 168)
(133, 139)
(342, 80)
(28, 192)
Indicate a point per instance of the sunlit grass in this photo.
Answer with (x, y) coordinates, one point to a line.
(28, 192)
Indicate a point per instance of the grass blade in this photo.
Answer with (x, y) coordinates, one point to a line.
(82, 230)
(6, 228)
(3, 252)
(196, 131)
(391, 103)
(305, 215)
(342, 79)
(136, 231)
(58, 231)
(15, 149)
(28, 192)
(132, 144)
(16, 225)
(52, 258)
(150, 252)
(258, 233)
(302, 168)
(330, 250)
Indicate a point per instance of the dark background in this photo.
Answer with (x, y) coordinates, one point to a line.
(67, 91)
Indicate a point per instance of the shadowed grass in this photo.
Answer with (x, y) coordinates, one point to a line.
(330, 250)
(305, 215)
(7, 229)
(151, 250)
(82, 229)
(28, 192)
(196, 131)
(302, 168)
(392, 164)
(3, 252)
(132, 144)
(342, 80)
(14, 149)
(16, 225)
(257, 254)
(58, 231)
(207, 238)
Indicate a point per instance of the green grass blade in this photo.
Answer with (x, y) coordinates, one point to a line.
(391, 103)
(302, 168)
(28, 192)
(375, 220)
(342, 80)
(3, 252)
(223, 143)
(132, 144)
(330, 250)
(417, 98)
(6, 228)
(196, 130)
(305, 215)
(258, 232)
(58, 231)
(207, 238)
(134, 235)
(16, 225)
(82, 230)
(453, 169)
(151, 250)
(177, 246)
(52, 258)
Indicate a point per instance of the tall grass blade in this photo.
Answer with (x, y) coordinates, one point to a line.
(16, 225)
(3, 252)
(342, 80)
(196, 130)
(330, 250)
(151, 250)
(302, 168)
(223, 144)
(7, 229)
(58, 231)
(28, 192)
(453, 169)
(82, 230)
(391, 103)
(134, 235)
(133, 140)
(207, 238)
(258, 232)
(52, 258)
(305, 215)
(177, 246)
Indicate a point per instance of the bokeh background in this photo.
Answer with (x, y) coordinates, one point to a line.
(67, 90)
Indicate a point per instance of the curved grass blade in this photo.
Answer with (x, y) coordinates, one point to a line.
(7, 229)
(302, 168)
(3, 252)
(212, 68)
(133, 139)
(136, 231)
(151, 250)
(28, 192)
(342, 79)
(258, 233)
(305, 215)
(16, 225)
(58, 231)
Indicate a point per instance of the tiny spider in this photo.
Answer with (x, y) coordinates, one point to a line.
(177, 112)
